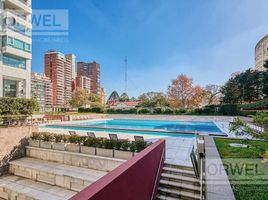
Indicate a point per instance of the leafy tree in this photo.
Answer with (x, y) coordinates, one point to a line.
(153, 99)
(244, 87)
(212, 94)
(183, 94)
(114, 97)
(94, 100)
(80, 98)
(231, 92)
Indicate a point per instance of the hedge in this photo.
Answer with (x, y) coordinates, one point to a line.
(125, 145)
(260, 105)
(225, 109)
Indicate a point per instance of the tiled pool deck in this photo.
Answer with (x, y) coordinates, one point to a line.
(178, 149)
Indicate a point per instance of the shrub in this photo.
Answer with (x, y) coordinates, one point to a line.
(124, 145)
(168, 111)
(58, 138)
(46, 137)
(144, 111)
(91, 142)
(229, 109)
(108, 144)
(157, 111)
(35, 136)
(75, 139)
(260, 105)
(206, 110)
(17, 106)
(140, 145)
(97, 110)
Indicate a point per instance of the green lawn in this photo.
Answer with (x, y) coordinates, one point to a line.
(251, 184)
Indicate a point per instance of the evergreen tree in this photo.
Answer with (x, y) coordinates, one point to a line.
(265, 79)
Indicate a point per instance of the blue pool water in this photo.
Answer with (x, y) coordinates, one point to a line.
(133, 132)
(155, 124)
(144, 127)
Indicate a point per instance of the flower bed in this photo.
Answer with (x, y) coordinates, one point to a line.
(122, 149)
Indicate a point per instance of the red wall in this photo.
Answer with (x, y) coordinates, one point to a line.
(133, 180)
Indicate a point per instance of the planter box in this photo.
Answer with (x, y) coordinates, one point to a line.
(73, 148)
(45, 145)
(125, 155)
(34, 143)
(88, 150)
(105, 152)
(59, 146)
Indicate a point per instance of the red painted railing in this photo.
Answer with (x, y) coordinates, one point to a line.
(136, 179)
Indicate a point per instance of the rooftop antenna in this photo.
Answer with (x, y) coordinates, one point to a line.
(126, 74)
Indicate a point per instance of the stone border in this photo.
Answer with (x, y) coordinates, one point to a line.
(217, 184)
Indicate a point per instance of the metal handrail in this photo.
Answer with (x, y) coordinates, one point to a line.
(158, 171)
(198, 166)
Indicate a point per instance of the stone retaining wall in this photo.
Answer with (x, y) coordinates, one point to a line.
(12, 144)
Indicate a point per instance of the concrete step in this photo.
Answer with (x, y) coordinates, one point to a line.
(14, 188)
(180, 178)
(178, 194)
(182, 172)
(179, 186)
(163, 197)
(169, 165)
(68, 177)
(74, 159)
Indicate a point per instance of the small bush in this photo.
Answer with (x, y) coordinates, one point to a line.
(46, 137)
(144, 111)
(229, 109)
(91, 142)
(35, 136)
(124, 145)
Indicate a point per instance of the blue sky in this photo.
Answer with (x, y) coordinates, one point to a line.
(206, 40)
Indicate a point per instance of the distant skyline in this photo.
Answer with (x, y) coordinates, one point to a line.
(206, 40)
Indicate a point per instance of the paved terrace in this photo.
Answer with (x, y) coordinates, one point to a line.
(178, 149)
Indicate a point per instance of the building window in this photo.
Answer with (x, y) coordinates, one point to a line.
(14, 61)
(19, 28)
(15, 43)
(10, 88)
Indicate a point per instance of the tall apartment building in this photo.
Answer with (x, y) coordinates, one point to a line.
(261, 53)
(72, 57)
(58, 67)
(41, 90)
(83, 82)
(15, 48)
(103, 95)
(92, 71)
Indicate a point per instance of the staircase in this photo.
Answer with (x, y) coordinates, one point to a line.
(52, 175)
(178, 183)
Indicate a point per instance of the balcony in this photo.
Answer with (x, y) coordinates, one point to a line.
(20, 5)
(19, 53)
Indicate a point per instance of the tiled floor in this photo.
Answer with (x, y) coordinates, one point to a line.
(178, 150)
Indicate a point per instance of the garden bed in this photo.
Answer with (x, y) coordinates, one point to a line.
(252, 185)
(121, 149)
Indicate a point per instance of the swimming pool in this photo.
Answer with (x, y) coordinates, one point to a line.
(151, 127)
(155, 124)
